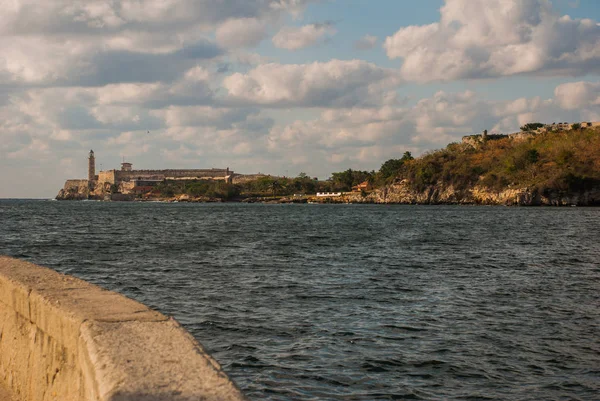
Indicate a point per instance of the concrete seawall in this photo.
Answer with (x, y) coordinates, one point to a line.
(63, 339)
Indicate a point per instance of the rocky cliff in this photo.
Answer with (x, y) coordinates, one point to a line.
(82, 190)
(74, 190)
(403, 193)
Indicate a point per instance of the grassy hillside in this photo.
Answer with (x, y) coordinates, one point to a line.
(555, 161)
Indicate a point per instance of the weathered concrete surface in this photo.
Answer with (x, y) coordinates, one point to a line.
(5, 394)
(63, 339)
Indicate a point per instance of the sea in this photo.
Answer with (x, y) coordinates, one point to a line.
(349, 302)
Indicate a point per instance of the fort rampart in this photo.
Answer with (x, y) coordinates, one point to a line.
(63, 339)
(114, 176)
(75, 184)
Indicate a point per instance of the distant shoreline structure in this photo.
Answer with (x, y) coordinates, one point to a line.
(534, 167)
(127, 182)
(525, 134)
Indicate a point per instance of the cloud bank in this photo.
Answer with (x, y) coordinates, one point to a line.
(482, 39)
(295, 38)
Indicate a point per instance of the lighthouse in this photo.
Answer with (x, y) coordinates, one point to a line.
(91, 167)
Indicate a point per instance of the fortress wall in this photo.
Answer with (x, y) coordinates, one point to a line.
(107, 176)
(63, 339)
(161, 174)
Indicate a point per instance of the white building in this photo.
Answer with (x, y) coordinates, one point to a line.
(328, 194)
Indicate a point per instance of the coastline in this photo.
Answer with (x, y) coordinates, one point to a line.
(401, 193)
(529, 169)
(524, 199)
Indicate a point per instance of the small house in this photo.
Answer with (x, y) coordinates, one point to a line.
(363, 186)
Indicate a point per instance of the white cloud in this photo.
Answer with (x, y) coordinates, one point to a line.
(99, 16)
(294, 38)
(95, 42)
(367, 42)
(336, 83)
(578, 95)
(241, 32)
(480, 39)
(203, 116)
(34, 60)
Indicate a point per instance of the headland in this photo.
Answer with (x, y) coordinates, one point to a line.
(543, 164)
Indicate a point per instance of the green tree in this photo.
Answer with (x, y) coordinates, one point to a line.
(390, 168)
(274, 186)
(532, 156)
(576, 126)
(345, 180)
(531, 126)
(407, 156)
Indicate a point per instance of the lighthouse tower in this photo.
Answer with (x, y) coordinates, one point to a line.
(91, 167)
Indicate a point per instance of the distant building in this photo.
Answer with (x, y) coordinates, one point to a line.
(132, 181)
(477, 139)
(91, 166)
(564, 126)
(135, 178)
(328, 194)
(363, 186)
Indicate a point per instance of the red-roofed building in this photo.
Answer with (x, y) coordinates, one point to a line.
(363, 186)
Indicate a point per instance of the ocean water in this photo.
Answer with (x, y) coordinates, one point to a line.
(350, 302)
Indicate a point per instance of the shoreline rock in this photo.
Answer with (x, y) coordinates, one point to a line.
(448, 195)
(398, 193)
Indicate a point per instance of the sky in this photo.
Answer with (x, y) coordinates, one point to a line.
(278, 86)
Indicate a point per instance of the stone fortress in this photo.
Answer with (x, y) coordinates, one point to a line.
(477, 139)
(128, 182)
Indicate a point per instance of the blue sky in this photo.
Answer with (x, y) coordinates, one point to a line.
(279, 86)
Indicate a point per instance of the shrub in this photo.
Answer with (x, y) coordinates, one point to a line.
(531, 126)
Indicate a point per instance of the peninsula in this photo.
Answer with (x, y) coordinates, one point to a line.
(129, 184)
(554, 164)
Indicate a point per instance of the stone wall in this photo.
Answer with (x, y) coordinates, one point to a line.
(170, 174)
(107, 176)
(63, 339)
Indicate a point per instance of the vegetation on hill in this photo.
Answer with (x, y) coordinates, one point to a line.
(266, 186)
(345, 180)
(567, 161)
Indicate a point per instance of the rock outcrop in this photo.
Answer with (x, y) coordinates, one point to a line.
(74, 190)
(403, 193)
(84, 190)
